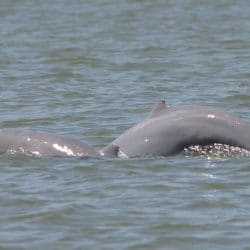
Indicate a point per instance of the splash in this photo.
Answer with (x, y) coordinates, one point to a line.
(216, 150)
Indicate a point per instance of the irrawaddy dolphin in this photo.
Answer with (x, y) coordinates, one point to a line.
(168, 131)
(32, 143)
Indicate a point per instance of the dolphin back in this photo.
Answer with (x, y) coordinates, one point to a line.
(167, 131)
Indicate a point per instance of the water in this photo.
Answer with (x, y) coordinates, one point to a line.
(92, 69)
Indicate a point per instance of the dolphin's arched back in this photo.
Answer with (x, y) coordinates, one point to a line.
(167, 131)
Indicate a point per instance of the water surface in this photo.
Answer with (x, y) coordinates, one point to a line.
(92, 69)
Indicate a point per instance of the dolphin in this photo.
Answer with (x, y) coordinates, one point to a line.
(168, 131)
(33, 143)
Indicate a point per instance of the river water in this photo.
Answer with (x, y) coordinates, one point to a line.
(92, 69)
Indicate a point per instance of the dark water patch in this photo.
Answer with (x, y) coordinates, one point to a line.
(240, 100)
(238, 97)
(44, 121)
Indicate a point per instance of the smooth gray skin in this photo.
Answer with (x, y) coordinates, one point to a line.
(168, 131)
(13, 141)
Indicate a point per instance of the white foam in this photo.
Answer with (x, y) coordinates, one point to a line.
(122, 155)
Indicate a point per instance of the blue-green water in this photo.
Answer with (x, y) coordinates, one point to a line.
(92, 69)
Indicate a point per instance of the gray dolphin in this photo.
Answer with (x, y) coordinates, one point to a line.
(167, 131)
(31, 143)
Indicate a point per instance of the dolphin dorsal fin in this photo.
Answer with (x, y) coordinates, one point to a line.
(158, 107)
(110, 151)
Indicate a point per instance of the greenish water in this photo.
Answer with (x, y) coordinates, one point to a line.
(92, 69)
